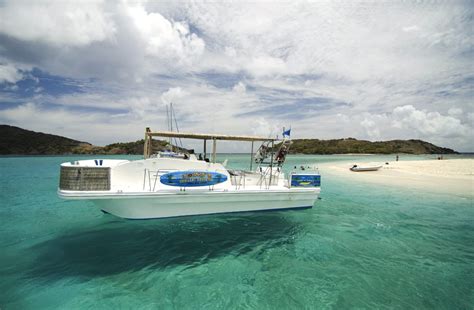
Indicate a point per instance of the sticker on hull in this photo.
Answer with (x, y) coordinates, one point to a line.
(305, 180)
(192, 178)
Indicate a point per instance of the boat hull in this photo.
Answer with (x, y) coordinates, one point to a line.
(186, 204)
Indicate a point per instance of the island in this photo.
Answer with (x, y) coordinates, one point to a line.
(354, 146)
(19, 141)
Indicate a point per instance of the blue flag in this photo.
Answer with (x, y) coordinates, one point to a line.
(286, 133)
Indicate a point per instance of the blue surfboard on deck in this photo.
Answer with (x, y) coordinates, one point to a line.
(192, 178)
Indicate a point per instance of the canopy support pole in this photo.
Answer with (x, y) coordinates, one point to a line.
(271, 166)
(146, 144)
(214, 150)
(251, 157)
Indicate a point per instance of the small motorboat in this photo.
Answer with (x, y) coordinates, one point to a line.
(357, 168)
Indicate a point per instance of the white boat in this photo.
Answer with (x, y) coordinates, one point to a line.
(170, 184)
(357, 168)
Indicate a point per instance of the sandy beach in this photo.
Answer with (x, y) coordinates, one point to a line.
(454, 176)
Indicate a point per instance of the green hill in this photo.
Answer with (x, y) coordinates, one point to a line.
(351, 145)
(132, 148)
(18, 141)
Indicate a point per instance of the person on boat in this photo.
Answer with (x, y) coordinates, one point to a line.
(280, 158)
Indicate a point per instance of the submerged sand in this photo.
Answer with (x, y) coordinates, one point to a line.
(454, 176)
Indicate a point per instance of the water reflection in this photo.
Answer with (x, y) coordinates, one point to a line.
(128, 245)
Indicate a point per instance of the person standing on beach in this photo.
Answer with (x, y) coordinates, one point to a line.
(396, 158)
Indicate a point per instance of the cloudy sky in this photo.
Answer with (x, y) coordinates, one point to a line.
(102, 71)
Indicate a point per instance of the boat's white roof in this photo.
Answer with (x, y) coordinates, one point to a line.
(202, 136)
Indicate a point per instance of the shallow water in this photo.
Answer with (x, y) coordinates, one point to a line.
(361, 246)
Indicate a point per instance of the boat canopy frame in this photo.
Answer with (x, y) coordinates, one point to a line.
(199, 136)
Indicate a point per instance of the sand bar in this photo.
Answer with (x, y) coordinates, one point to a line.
(454, 176)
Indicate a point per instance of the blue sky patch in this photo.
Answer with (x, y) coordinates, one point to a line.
(222, 80)
(37, 81)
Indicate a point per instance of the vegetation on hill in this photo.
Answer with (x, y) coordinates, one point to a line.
(133, 148)
(18, 141)
(351, 145)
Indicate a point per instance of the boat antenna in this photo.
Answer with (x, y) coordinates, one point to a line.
(168, 122)
(171, 123)
(173, 114)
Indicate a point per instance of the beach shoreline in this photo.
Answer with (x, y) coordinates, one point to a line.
(450, 176)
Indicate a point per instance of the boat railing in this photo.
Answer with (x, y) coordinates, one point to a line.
(269, 176)
(150, 177)
(238, 178)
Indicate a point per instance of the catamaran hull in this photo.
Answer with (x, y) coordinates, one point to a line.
(184, 204)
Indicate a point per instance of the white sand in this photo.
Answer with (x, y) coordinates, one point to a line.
(455, 176)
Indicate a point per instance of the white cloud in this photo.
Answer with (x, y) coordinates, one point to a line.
(239, 88)
(265, 65)
(172, 94)
(264, 128)
(411, 28)
(165, 38)
(470, 117)
(455, 112)
(372, 131)
(356, 41)
(428, 123)
(9, 74)
(65, 23)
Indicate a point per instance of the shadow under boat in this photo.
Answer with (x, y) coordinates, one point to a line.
(130, 246)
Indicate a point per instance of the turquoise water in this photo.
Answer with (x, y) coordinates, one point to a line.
(361, 246)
